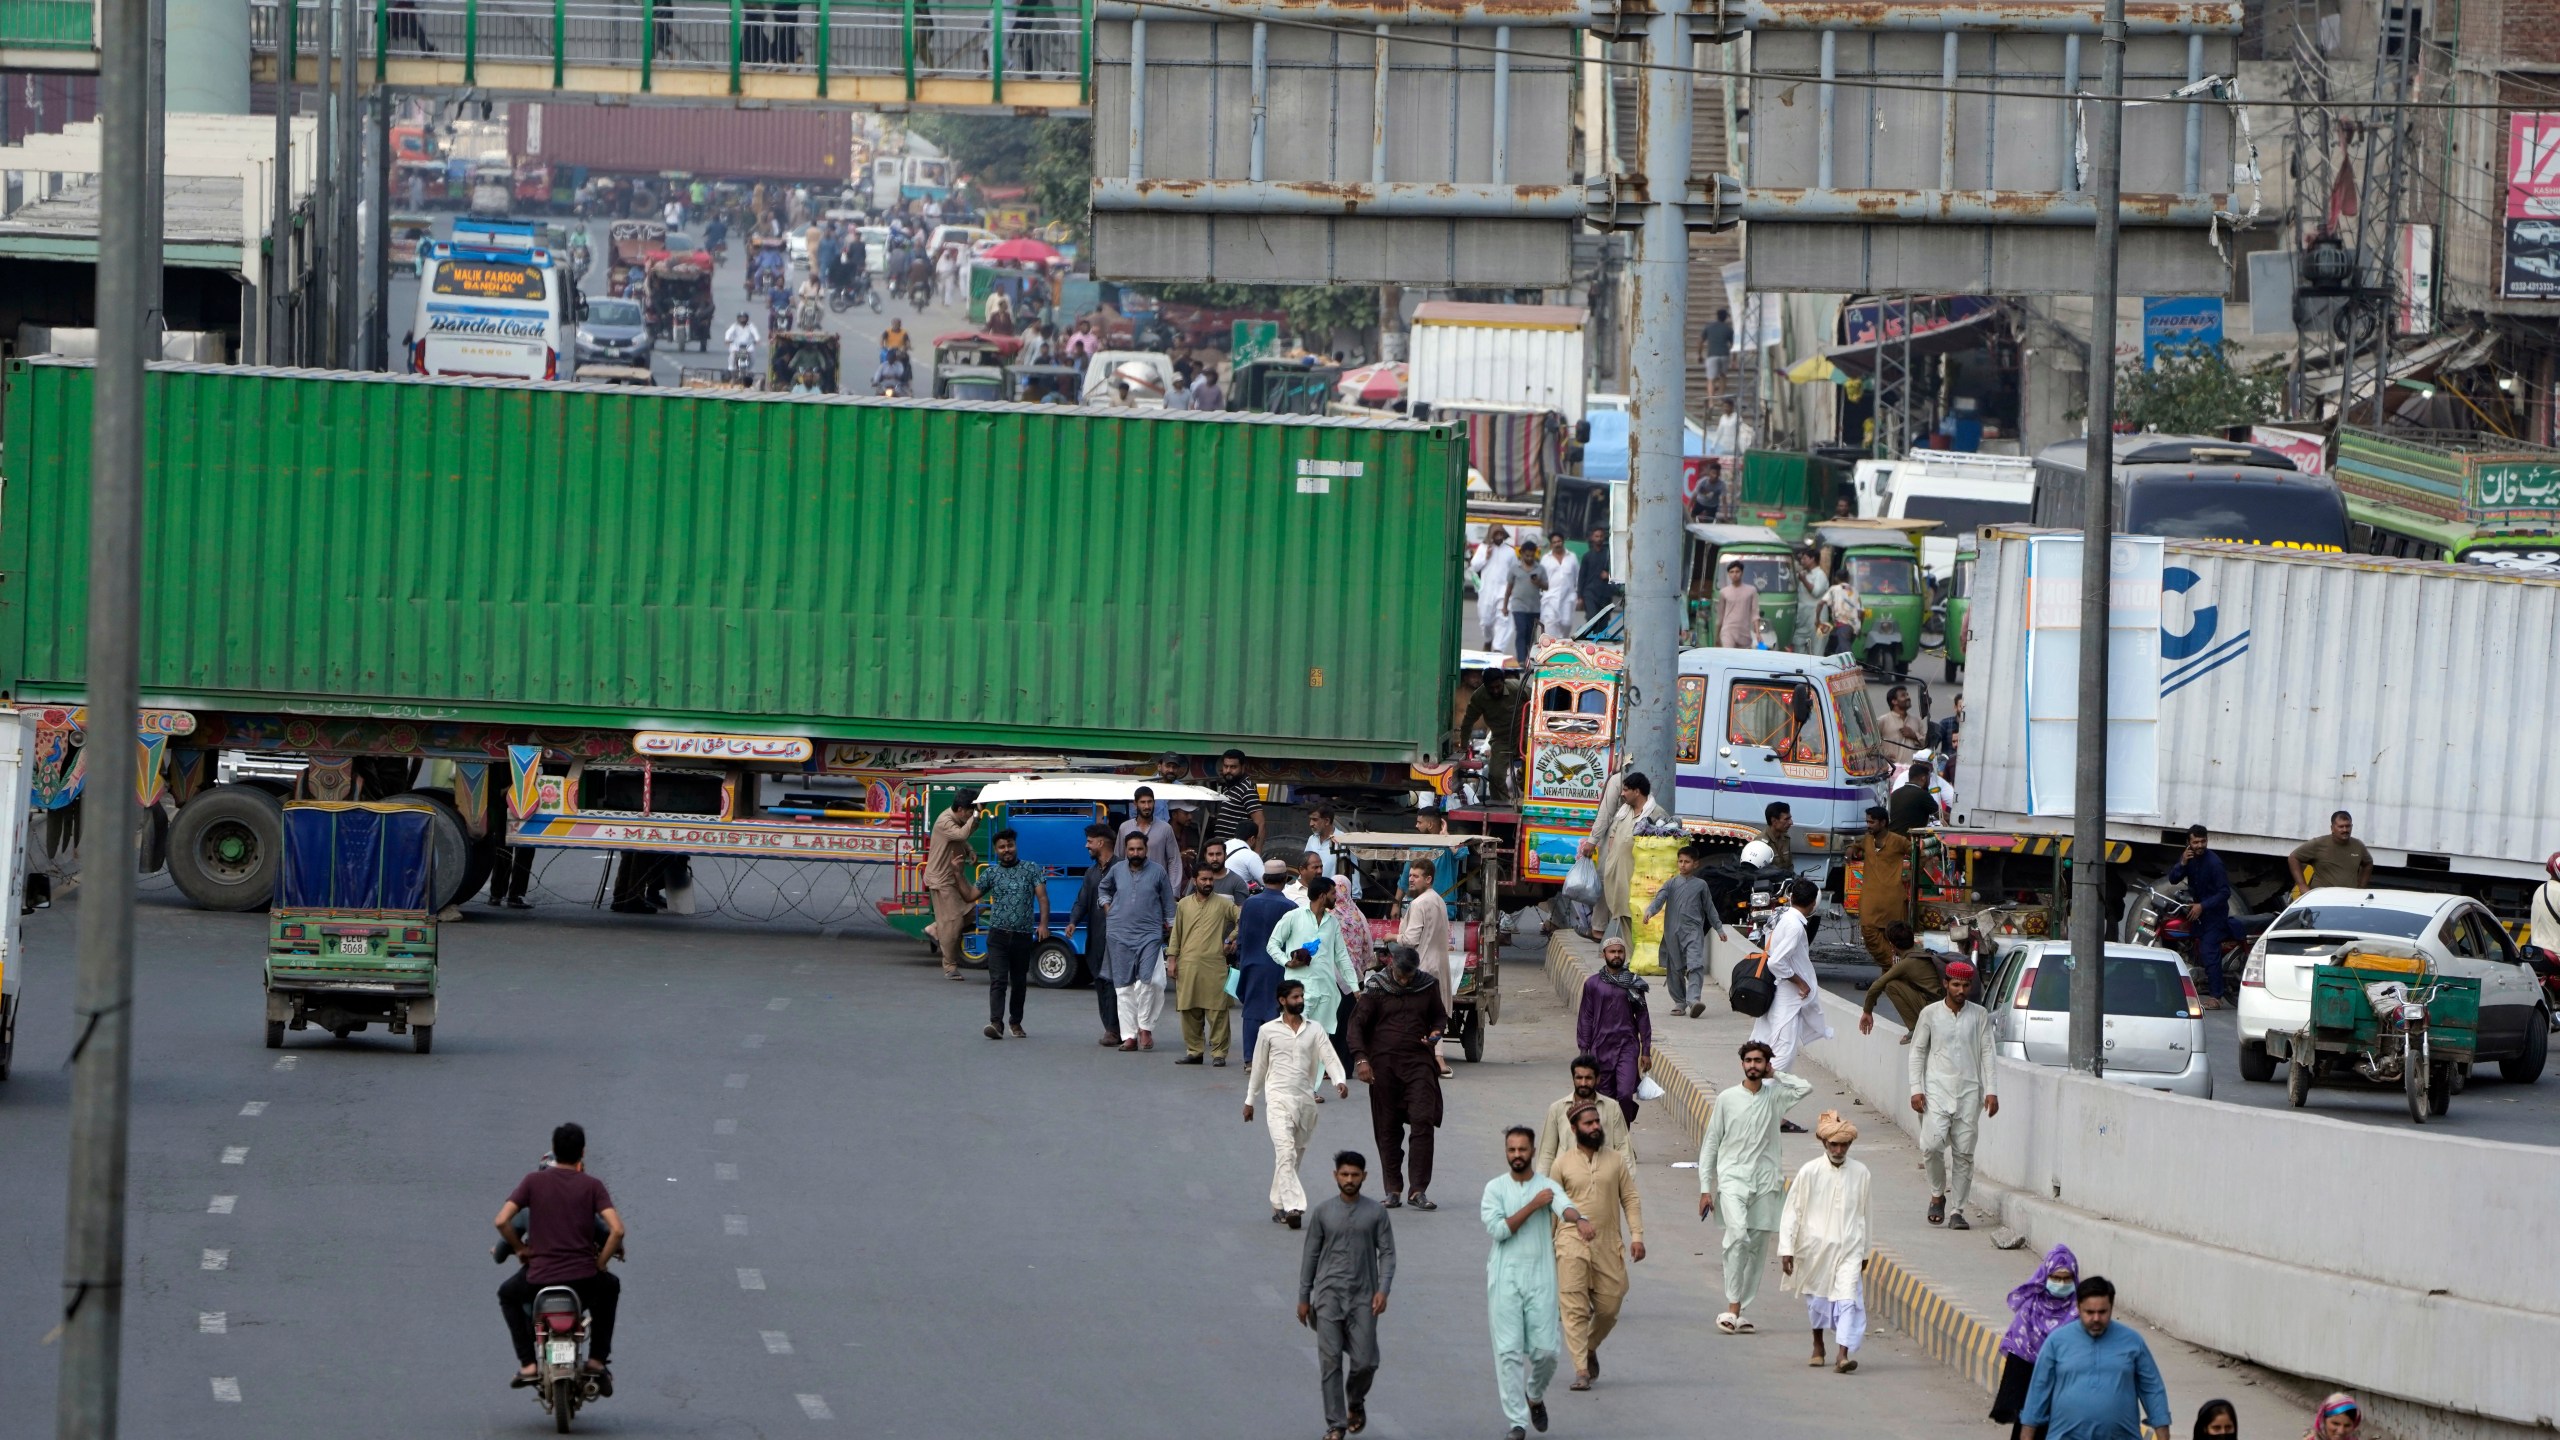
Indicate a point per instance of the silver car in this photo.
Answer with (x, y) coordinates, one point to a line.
(2154, 1023)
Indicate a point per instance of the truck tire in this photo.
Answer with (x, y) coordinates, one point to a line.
(452, 848)
(1471, 1044)
(484, 860)
(2526, 1068)
(227, 848)
(1055, 966)
(2256, 1065)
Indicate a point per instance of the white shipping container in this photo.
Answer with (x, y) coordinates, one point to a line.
(2420, 697)
(1528, 356)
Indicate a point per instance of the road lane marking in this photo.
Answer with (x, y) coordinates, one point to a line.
(776, 1343)
(222, 1204)
(235, 1154)
(755, 1042)
(733, 1224)
(750, 1279)
(778, 1002)
(724, 1127)
(217, 1260)
(736, 1082)
(724, 1170)
(213, 1322)
(254, 1109)
(226, 1389)
(287, 1062)
(815, 1407)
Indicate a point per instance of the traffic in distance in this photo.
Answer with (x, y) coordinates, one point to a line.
(806, 569)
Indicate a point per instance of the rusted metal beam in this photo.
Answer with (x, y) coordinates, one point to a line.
(1407, 198)
(2015, 17)
(1974, 207)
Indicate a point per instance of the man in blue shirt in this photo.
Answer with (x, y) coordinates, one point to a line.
(2209, 887)
(2096, 1380)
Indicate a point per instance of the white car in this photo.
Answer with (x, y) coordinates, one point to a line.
(2456, 933)
(2154, 1024)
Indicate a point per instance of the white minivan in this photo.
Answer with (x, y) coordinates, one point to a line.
(1960, 490)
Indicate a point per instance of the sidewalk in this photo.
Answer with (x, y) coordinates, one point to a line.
(1947, 1291)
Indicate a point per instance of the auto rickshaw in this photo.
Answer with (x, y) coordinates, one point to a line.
(351, 935)
(680, 304)
(795, 351)
(403, 237)
(969, 365)
(1283, 387)
(1881, 561)
(631, 242)
(1765, 567)
(1468, 875)
(1025, 288)
(1955, 605)
(1033, 384)
(768, 266)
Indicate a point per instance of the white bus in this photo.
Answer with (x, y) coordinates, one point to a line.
(492, 302)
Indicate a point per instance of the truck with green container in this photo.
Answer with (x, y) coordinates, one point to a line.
(617, 619)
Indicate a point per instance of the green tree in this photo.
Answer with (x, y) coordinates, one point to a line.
(2195, 391)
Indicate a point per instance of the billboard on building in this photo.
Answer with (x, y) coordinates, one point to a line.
(2180, 327)
(2533, 207)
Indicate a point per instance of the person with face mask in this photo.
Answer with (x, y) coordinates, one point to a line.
(2036, 1310)
(2096, 1380)
(1290, 1058)
(1822, 1240)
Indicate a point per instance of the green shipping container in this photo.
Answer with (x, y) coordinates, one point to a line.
(1032, 577)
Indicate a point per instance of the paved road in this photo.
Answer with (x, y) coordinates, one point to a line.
(860, 328)
(952, 1237)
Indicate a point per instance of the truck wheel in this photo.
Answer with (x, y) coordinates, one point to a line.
(1471, 1044)
(275, 1034)
(2256, 1065)
(476, 870)
(452, 848)
(422, 1038)
(1054, 966)
(227, 847)
(2297, 1083)
(8, 1033)
(2526, 1068)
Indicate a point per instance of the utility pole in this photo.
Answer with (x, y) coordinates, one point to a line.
(279, 346)
(350, 190)
(2089, 781)
(1657, 380)
(377, 240)
(102, 1005)
(321, 330)
(155, 184)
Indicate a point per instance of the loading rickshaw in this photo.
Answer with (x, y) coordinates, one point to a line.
(2380, 1012)
(969, 364)
(795, 352)
(1469, 876)
(351, 934)
(1034, 384)
(680, 304)
(632, 242)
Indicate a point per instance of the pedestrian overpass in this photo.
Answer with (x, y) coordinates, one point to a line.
(985, 55)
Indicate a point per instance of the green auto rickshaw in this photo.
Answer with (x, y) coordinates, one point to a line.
(1763, 556)
(1956, 602)
(351, 935)
(1881, 561)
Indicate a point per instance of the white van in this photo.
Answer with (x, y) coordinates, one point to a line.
(1960, 491)
(1149, 373)
(494, 302)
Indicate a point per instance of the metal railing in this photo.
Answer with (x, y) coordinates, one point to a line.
(49, 24)
(994, 41)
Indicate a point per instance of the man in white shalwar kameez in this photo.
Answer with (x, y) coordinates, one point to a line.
(1494, 566)
(1738, 1174)
(1796, 1019)
(1822, 1240)
(1291, 1056)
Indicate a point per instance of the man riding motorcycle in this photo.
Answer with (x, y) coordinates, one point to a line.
(895, 376)
(559, 1246)
(742, 339)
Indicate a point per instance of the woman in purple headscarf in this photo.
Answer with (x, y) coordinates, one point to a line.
(2036, 1309)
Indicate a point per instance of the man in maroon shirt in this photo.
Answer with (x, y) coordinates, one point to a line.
(560, 1247)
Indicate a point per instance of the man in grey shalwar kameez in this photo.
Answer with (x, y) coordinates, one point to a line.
(1139, 898)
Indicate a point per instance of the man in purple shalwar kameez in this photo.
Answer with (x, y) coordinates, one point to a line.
(1614, 1027)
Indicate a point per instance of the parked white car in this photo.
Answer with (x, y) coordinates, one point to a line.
(2456, 933)
(2154, 1025)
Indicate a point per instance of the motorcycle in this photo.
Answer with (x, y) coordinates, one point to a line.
(841, 298)
(920, 294)
(2546, 968)
(562, 1381)
(742, 366)
(2159, 918)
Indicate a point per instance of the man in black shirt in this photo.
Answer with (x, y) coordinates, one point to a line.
(1239, 810)
(1911, 806)
(1594, 584)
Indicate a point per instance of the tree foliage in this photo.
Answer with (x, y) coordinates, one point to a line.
(2195, 391)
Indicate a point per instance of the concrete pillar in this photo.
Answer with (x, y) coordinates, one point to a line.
(213, 38)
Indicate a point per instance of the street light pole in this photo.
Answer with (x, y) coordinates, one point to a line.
(102, 1006)
(1657, 384)
(2089, 781)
